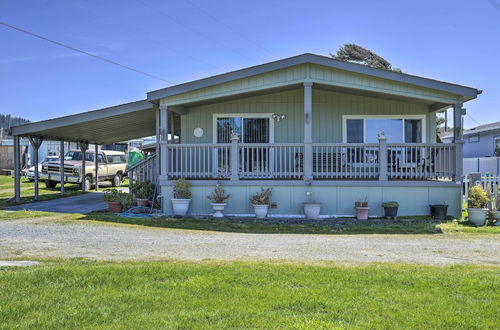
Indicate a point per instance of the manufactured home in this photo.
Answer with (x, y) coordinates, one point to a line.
(344, 131)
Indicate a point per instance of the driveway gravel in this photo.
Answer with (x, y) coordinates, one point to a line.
(46, 238)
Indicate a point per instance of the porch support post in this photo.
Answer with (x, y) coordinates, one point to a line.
(458, 112)
(382, 140)
(17, 169)
(158, 151)
(83, 149)
(35, 143)
(308, 149)
(164, 143)
(96, 160)
(234, 157)
(61, 169)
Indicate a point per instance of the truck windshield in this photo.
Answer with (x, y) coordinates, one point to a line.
(77, 155)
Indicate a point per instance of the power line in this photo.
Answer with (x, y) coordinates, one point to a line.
(473, 119)
(227, 26)
(164, 14)
(88, 10)
(86, 53)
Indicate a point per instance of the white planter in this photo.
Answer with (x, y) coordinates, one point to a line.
(218, 208)
(180, 206)
(260, 210)
(477, 216)
(496, 216)
(312, 210)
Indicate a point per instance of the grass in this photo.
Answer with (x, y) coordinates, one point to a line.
(28, 191)
(418, 226)
(83, 294)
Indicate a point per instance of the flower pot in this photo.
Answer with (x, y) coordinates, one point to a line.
(218, 208)
(477, 216)
(312, 210)
(496, 215)
(115, 207)
(142, 201)
(391, 212)
(260, 210)
(362, 212)
(180, 206)
(439, 211)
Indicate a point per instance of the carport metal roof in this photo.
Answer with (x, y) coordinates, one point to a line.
(118, 123)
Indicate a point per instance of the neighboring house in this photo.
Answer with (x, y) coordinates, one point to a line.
(480, 141)
(305, 123)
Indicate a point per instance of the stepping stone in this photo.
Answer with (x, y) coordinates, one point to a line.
(21, 263)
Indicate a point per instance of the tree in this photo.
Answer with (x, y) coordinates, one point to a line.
(356, 54)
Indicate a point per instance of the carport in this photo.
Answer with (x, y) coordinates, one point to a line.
(102, 126)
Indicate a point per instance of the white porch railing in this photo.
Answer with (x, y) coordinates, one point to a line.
(412, 161)
(330, 161)
(145, 170)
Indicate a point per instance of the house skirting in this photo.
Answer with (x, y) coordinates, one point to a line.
(337, 200)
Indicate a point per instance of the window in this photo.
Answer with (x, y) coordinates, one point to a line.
(497, 146)
(116, 159)
(250, 129)
(407, 129)
(474, 138)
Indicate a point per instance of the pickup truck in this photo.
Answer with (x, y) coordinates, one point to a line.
(112, 167)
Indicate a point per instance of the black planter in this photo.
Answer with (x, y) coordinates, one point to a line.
(439, 211)
(391, 212)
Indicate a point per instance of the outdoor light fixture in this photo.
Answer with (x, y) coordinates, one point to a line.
(278, 117)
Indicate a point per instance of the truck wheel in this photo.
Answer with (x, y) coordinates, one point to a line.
(117, 180)
(88, 183)
(50, 184)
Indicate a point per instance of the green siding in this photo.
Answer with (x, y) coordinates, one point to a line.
(336, 200)
(313, 73)
(328, 109)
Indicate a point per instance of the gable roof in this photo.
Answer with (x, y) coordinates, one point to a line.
(467, 92)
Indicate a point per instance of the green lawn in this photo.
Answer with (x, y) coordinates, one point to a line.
(418, 226)
(81, 294)
(28, 190)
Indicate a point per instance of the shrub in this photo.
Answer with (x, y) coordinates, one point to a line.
(143, 190)
(218, 195)
(478, 198)
(127, 200)
(112, 195)
(182, 189)
(390, 204)
(262, 197)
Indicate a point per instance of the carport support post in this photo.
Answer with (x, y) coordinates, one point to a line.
(308, 149)
(61, 168)
(96, 159)
(35, 143)
(83, 149)
(17, 169)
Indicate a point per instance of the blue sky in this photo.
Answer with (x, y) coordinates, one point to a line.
(450, 40)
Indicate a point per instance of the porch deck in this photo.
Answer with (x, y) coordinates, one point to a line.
(286, 161)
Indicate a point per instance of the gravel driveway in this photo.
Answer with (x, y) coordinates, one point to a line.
(46, 238)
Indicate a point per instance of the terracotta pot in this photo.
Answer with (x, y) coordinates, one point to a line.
(142, 201)
(115, 207)
(362, 212)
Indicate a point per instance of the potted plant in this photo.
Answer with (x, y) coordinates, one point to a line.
(260, 202)
(312, 209)
(439, 211)
(362, 210)
(113, 198)
(143, 191)
(390, 210)
(477, 205)
(218, 198)
(495, 206)
(182, 197)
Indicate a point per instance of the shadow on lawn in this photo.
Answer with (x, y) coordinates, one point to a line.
(235, 225)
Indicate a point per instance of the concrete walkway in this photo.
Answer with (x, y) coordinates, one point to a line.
(85, 203)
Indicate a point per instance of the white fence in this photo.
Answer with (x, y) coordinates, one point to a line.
(489, 183)
(483, 165)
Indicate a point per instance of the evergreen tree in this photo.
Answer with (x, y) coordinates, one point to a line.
(360, 55)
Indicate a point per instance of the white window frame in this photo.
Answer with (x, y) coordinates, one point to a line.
(243, 115)
(423, 118)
